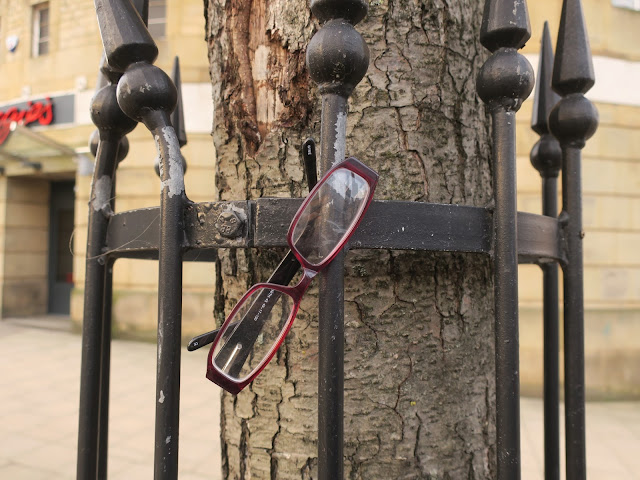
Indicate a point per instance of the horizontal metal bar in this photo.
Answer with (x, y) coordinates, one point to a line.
(538, 238)
(263, 223)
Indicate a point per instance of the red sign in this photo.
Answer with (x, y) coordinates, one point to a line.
(41, 112)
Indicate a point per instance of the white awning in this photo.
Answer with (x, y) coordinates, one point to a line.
(24, 149)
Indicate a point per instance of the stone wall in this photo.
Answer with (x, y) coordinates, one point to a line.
(24, 233)
(611, 182)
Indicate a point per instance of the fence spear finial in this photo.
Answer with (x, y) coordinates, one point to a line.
(546, 155)
(177, 117)
(142, 6)
(125, 37)
(506, 78)
(574, 119)
(505, 23)
(573, 68)
(544, 98)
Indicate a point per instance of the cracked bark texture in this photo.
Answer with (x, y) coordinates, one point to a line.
(419, 361)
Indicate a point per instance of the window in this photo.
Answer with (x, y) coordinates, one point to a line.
(40, 29)
(630, 4)
(158, 18)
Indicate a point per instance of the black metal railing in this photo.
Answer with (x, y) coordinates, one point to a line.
(180, 230)
(546, 157)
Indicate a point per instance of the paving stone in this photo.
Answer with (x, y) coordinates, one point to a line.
(39, 381)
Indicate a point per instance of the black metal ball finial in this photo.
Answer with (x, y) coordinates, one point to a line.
(574, 120)
(107, 115)
(337, 57)
(123, 148)
(144, 91)
(546, 156)
(506, 79)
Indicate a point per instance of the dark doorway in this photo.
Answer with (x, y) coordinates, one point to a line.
(60, 256)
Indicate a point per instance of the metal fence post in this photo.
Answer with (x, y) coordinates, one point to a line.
(153, 106)
(572, 121)
(112, 126)
(105, 361)
(546, 157)
(337, 58)
(146, 93)
(506, 79)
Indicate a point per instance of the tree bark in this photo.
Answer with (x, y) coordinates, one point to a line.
(419, 368)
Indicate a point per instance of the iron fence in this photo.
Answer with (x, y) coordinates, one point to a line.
(180, 230)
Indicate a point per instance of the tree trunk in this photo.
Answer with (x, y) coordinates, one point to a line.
(419, 365)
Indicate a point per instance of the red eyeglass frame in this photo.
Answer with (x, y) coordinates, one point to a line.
(296, 292)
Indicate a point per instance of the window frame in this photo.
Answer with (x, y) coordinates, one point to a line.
(37, 40)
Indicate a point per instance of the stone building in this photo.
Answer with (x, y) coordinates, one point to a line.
(49, 59)
(611, 183)
(50, 56)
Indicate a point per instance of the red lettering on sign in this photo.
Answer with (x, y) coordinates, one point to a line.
(41, 112)
(46, 117)
(4, 132)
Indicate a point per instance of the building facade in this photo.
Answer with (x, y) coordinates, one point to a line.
(49, 59)
(611, 204)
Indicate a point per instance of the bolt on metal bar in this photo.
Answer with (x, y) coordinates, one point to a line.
(336, 45)
(504, 81)
(572, 121)
(428, 226)
(546, 157)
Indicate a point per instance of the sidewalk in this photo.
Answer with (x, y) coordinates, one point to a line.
(39, 391)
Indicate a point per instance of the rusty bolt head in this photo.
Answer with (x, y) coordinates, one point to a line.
(229, 225)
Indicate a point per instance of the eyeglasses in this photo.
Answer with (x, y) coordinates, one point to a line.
(258, 324)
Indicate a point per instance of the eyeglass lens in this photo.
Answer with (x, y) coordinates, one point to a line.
(252, 331)
(329, 215)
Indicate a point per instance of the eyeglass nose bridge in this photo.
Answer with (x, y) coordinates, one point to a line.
(297, 291)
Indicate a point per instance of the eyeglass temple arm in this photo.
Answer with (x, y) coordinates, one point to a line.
(289, 266)
(285, 272)
(246, 332)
